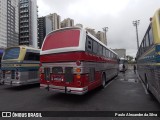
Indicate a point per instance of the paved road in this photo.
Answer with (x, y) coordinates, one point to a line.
(123, 93)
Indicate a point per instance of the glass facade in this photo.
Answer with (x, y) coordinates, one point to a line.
(28, 23)
(9, 23)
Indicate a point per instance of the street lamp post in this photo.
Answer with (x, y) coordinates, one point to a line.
(136, 23)
(105, 29)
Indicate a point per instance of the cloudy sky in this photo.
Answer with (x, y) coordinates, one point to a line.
(115, 14)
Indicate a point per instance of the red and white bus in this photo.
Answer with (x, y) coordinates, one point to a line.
(75, 62)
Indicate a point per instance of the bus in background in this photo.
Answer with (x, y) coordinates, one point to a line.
(148, 57)
(20, 66)
(123, 64)
(75, 62)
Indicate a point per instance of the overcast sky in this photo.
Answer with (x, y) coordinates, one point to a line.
(115, 14)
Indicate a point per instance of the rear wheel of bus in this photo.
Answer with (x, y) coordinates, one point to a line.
(103, 79)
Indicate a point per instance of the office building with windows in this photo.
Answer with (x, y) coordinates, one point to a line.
(67, 23)
(28, 23)
(101, 36)
(46, 25)
(9, 23)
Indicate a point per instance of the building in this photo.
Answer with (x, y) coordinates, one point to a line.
(9, 23)
(91, 31)
(67, 23)
(56, 20)
(28, 23)
(41, 30)
(121, 52)
(47, 24)
(101, 36)
(44, 27)
(79, 25)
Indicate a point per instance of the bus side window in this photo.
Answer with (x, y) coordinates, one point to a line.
(104, 51)
(37, 56)
(111, 55)
(32, 56)
(89, 44)
(147, 41)
(107, 53)
(95, 47)
(100, 50)
(150, 36)
(144, 45)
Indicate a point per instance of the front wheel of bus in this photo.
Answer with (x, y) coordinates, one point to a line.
(103, 81)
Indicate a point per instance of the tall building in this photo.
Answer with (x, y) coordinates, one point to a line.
(56, 20)
(121, 52)
(46, 25)
(41, 30)
(101, 36)
(67, 23)
(79, 25)
(91, 31)
(28, 23)
(9, 23)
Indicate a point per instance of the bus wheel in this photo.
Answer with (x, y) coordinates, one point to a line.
(103, 81)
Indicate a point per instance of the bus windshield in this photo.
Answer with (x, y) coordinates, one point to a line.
(12, 53)
(62, 39)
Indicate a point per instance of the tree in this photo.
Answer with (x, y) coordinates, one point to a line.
(129, 58)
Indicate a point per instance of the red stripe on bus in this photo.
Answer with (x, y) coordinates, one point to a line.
(74, 56)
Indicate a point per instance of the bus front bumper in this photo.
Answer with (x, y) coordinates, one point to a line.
(13, 82)
(68, 90)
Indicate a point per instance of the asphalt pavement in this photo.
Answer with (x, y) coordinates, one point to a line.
(123, 93)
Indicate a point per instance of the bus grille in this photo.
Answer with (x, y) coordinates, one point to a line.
(68, 74)
(47, 73)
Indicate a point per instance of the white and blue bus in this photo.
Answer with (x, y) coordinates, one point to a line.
(148, 57)
(20, 66)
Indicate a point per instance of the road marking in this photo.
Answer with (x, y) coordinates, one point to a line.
(145, 89)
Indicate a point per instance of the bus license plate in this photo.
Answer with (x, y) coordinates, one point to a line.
(57, 78)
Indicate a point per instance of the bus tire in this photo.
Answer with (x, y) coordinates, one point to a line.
(103, 81)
